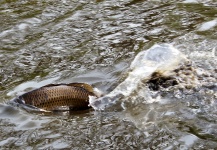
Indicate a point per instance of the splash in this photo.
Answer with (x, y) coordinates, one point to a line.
(161, 58)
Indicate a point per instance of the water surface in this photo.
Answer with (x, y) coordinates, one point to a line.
(44, 42)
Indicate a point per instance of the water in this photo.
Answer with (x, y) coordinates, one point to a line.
(44, 42)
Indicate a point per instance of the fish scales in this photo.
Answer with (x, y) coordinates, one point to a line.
(62, 95)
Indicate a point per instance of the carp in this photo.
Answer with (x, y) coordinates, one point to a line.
(52, 96)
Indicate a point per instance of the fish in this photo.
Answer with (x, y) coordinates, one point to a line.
(51, 97)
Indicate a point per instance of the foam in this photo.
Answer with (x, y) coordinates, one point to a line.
(161, 58)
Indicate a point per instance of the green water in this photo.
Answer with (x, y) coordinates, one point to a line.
(44, 42)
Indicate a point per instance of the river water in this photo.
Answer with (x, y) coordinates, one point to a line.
(64, 41)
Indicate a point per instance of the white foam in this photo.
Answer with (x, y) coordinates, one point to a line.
(208, 25)
(190, 1)
(159, 58)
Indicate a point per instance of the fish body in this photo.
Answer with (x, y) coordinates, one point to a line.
(50, 97)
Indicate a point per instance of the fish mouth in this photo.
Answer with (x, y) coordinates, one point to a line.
(97, 92)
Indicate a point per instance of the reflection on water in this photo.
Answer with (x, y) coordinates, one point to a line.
(45, 42)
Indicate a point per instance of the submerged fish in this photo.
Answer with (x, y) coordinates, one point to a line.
(52, 96)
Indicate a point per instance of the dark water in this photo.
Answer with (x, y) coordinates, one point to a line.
(44, 42)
